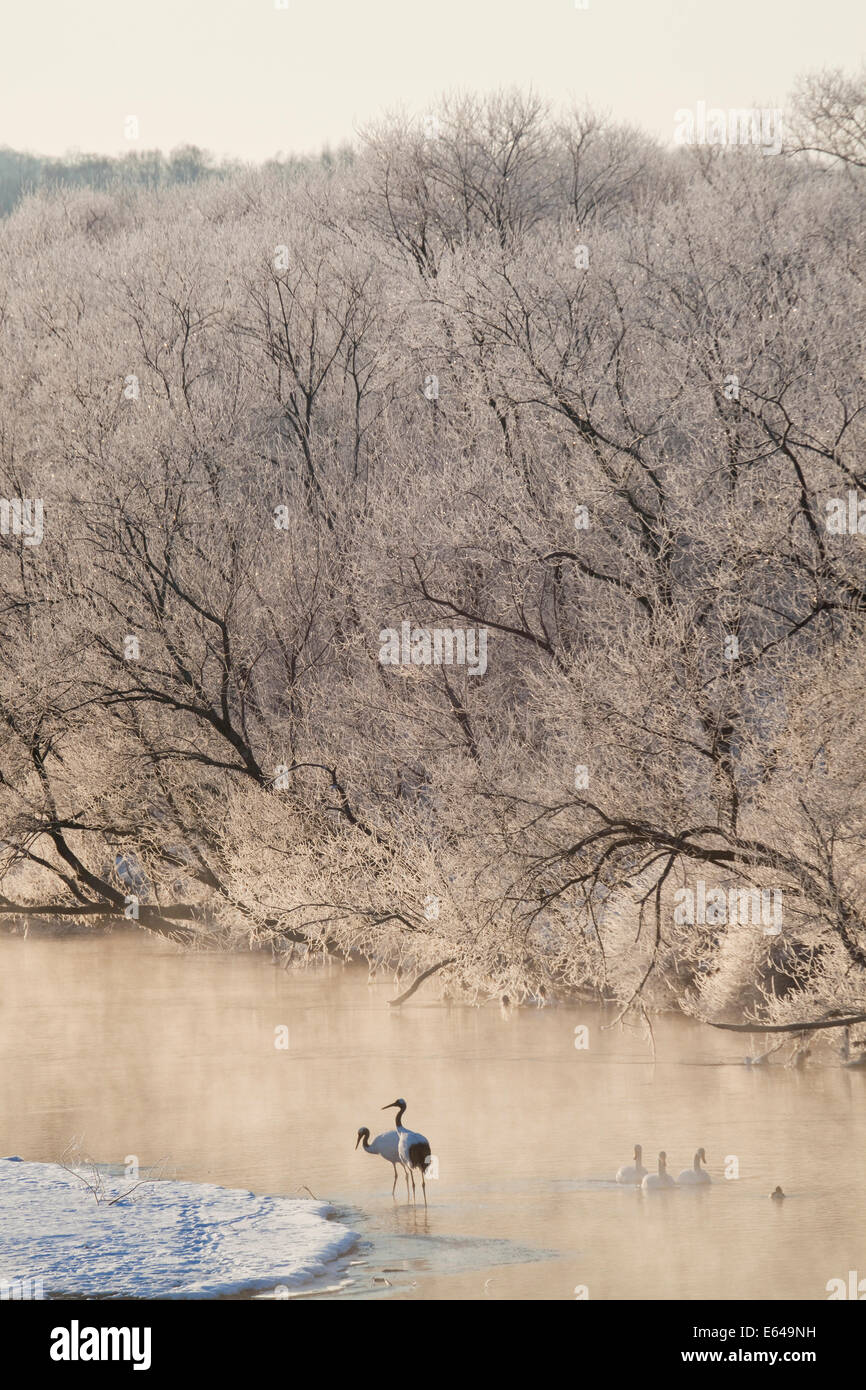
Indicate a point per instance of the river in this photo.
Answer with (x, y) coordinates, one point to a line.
(132, 1047)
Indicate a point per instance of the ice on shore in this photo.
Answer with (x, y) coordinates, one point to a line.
(166, 1240)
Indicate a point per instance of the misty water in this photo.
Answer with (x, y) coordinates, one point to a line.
(132, 1047)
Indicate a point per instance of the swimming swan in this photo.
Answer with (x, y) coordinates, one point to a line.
(694, 1176)
(632, 1172)
(660, 1179)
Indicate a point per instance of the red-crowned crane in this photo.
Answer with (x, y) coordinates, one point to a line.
(387, 1146)
(414, 1149)
(660, 1179)
(635, 1172)
(694, 1176)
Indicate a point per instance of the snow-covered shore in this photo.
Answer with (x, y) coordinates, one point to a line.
(166, 1240)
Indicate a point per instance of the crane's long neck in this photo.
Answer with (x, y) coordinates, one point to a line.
(399, 1120)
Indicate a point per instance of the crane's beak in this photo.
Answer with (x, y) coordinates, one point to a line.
(357, 1141)
(390, 1106)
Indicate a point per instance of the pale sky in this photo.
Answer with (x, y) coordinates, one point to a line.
(243, 78)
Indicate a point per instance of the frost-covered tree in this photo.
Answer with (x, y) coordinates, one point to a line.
(506, 374)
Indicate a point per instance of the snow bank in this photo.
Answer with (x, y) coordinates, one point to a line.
(168, 1240)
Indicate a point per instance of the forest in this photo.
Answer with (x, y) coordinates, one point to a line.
(284, 450)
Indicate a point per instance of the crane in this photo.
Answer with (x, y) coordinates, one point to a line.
(387, 1146)
(414, 1148)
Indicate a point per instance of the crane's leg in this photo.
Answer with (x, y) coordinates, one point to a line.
(412, 1176)
(406, 1176)
(423, 1187)
(394, 1166)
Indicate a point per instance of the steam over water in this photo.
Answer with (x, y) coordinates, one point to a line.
(138, 1050)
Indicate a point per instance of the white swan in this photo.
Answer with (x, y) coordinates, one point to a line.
(632, 1172)
(692, 1177)
(660, 1179)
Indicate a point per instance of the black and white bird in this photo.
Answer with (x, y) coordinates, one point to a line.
(387, 1146)
(413, 1148)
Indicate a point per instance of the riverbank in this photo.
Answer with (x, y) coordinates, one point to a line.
(85, 1232)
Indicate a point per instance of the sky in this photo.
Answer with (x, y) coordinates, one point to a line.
(246, 79)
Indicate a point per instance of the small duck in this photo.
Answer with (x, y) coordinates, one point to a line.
(777, 1195)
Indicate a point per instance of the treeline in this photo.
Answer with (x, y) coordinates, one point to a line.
(22, 173)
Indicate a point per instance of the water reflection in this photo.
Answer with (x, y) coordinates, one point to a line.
(140, 1050)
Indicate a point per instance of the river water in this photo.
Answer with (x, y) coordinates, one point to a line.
(131, 1047)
